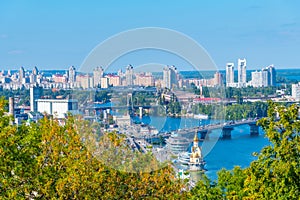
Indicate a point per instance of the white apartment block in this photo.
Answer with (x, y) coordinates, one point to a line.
(229, 74)
(242, 64)
(296, 91)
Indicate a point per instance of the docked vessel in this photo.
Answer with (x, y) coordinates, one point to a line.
(184, 158)
(177, 144)
(201, 116)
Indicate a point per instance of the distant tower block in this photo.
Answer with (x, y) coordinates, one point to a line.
(22, 75)
(229, 74)
(35, 94)
(11, 106)
(242, 72)
(129, 75)
(72, 74)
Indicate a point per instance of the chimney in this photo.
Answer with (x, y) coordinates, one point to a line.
(11, 106)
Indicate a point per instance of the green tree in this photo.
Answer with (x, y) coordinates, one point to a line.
(231, 183)
(205, 189)
(50, 161)
(276, 172)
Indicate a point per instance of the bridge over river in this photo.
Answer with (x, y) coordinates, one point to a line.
(226, 129)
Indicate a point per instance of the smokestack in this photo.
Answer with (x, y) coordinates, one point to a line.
(11, 106)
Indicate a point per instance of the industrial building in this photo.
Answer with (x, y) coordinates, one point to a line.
(57, 107)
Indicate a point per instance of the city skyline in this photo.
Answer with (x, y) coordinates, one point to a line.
(53, 36)
(171, 78)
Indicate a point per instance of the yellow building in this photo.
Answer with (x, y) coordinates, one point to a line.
(104, 82)
(85, 81)
(196, 160)
(113, 80)
(144, 80)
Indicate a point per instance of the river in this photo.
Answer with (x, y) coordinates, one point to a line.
(225, 153)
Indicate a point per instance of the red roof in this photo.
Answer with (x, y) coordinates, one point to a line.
(207, 99)
(112, 75)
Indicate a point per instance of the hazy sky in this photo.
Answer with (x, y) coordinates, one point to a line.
(57, 34)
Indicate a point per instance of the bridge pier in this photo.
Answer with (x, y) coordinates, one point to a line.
(254, 129)
(226, 132)
(203, 134)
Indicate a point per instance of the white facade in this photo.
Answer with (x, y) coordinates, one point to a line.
(129, 75)
(22, 75)
(256, 80)
(104, 82)
(264, 78)
(57, 107)
(72, 74)
(97, 75)
(169, 77)
(242, 64)
(87, 81)
(229, 74)
(296, 91)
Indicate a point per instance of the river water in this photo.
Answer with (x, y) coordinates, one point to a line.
(224, 153)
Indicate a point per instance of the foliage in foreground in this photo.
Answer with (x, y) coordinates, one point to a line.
(46, 160)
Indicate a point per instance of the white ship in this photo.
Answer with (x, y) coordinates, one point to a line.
(201, 116)
(184, 158)
(177, 144)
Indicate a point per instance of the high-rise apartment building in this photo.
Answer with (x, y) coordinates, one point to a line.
(104, 82)
(144, 79)
(264, 78)
(296, 91)
(242, 64)
(229, 74)
(22, 75)
(97, 75)
(33, 75)
(256, 80)
(113, 80)
(272, 75)
(35, 71)
(169, 77)
(85, 81)
(218, 79)
(72, 74)
(129, 75)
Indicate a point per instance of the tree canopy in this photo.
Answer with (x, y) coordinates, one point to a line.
(48, 160)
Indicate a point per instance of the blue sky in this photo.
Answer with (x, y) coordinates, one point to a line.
(57, 34)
